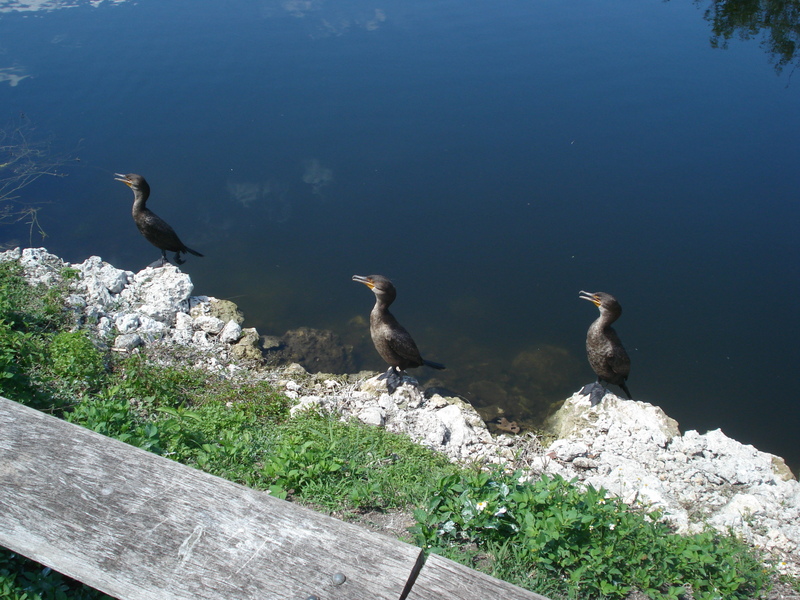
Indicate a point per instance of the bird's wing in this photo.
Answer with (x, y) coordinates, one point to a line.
(403, 344)
(159, 232)
(619, 362)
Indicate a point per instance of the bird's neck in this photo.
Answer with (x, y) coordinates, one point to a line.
(139, 202)
(381, 307)
(605, 320)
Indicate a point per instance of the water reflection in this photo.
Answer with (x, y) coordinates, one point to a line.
(326, 19)
(25, 157)
(13, 75)
(50, 5)
(777, 21)
(317, 176)
(274, 198)
(269, 197)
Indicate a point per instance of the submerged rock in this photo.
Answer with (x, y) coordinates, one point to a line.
(247, 348)
(225, 310)
(318, 350)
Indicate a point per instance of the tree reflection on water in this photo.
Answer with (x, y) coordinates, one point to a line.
(24, 158)
(777, 21)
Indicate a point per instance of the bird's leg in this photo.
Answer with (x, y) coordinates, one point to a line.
(178, 259)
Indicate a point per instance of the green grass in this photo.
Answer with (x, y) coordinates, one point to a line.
(547, 535)
(319, 459)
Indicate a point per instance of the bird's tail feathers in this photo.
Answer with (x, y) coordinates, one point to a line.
(195, 252)
(626, 390)
(433, 365)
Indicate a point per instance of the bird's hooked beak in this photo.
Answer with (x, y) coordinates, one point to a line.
(365, 280)
(590, 297)
(123, 178)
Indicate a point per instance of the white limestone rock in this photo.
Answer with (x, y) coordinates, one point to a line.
(127, 342)
(158, 293)
(126, 323)
(372, 415)
(445, 424)
(209, 324)
(183, 329)
(305, 403)
(696, 479)
(101, 281)
(14, 254)
(202, 340)
(40, 266)
(231, 333)
(104, 327)
(568, 450)
(624, 422)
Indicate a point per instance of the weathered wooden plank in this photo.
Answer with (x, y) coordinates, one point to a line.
(141, 527)
(443, 578)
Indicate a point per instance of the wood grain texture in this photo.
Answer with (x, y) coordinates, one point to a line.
(141, 527)
(442, 578)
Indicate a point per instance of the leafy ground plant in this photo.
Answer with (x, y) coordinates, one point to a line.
(23, 579)
(595, 544)
(30, 317)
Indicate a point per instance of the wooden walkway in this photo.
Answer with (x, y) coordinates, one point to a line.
(141, 527)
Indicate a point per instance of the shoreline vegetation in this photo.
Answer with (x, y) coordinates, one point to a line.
(613, 502)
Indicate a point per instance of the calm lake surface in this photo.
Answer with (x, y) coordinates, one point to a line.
(491, 158)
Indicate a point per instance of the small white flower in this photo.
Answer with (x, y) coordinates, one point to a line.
(611, 526)
(481, 506)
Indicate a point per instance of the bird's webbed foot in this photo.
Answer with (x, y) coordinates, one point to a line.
(596, 392)
(393, 377)
(178, 259)
(159, 263)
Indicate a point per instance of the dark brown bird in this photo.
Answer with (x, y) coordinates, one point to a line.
(391, 340)
(155, 229)
(606, 354)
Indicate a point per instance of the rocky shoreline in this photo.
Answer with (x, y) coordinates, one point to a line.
(632, 449)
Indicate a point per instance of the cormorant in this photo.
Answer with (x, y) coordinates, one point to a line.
(606, 354)
(155, 229)
(391, 340)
